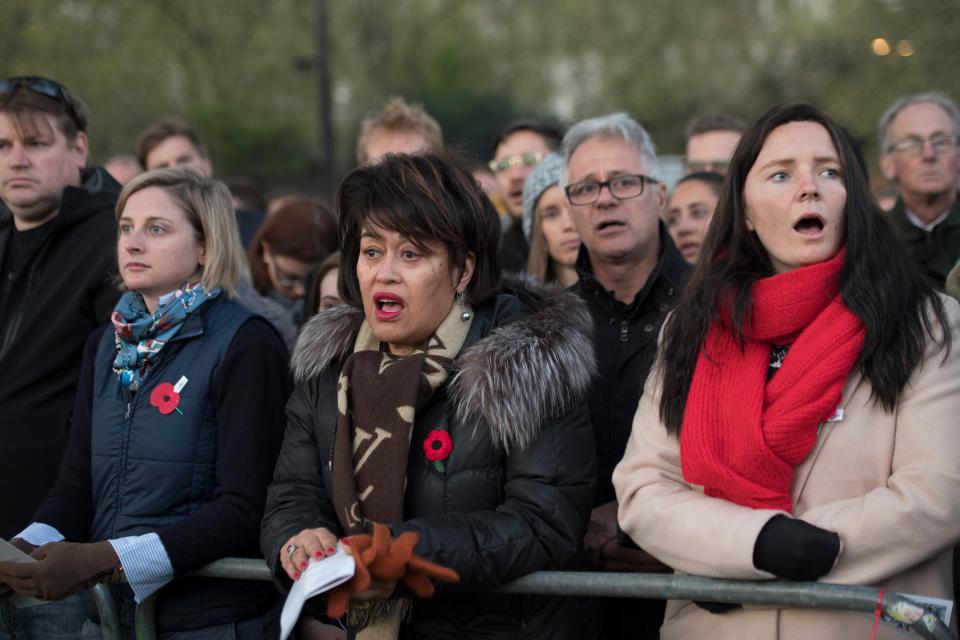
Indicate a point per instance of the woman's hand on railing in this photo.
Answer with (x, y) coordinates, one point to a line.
(310, 543)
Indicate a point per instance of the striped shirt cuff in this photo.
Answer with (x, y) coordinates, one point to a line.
(39, 534)
(146, 563)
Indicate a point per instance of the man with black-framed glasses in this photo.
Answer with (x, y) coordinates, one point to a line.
(919, 152)
(630, 273)
(57, 274)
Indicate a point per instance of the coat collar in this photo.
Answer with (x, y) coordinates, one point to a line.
(525, 370)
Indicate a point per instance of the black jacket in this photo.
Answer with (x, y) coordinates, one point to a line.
(66, 289)
(626, 343)
(934, 252)
(518, 486)
(514, 247)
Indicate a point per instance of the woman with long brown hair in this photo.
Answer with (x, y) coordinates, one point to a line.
(801, 420)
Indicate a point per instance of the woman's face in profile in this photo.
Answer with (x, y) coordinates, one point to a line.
(563, 243)
(327, 290)
(688, 215)
(407, 290)
(157, 247)
(795, 196)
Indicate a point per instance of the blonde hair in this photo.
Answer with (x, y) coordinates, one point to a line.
(206, 203)
(399, 115)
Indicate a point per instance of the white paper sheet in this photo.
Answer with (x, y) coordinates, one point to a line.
(319, 576)
(9, 553)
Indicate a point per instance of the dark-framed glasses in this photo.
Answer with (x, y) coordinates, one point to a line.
(528, 159)
(44, 87)
(942, 144)
(621, 187)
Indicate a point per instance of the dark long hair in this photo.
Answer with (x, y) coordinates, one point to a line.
(878, 282)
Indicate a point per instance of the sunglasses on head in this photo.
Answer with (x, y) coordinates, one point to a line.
(44, 87)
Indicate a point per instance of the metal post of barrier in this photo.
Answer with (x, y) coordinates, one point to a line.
(107, 609)
(631, 585)
(146, 618)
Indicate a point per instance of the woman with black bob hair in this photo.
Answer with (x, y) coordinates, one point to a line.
(801, 422)
(437, 401)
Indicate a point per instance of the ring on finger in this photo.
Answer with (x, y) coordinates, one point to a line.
(291, 549)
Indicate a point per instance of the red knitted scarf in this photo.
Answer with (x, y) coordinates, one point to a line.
(742, 436)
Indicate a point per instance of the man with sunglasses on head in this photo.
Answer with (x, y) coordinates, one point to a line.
(57, 273)
(519, 147)
(710, 143)
(918, 142)
(630, 273)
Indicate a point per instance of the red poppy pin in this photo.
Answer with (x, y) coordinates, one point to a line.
(166, 397)
(437, 446)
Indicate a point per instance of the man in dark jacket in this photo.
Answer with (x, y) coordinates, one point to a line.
(517, 150)
(58, 256)
(58, 262)
(918, 139)
(630, 273)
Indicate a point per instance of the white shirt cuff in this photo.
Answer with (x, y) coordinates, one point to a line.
(146, 563)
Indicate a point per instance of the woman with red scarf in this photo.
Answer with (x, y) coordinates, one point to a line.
(802, 419)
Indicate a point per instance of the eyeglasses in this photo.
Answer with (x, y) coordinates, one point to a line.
(712, 166)
(285, 279)
(942, 144)
(528, 159)
(621, 187)
(44, 87)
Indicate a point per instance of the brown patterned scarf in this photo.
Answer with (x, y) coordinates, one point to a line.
(378, 396)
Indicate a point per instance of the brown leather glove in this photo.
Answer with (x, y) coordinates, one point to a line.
(386, 559)
(62, 569)
(605, 551)
(24, 546)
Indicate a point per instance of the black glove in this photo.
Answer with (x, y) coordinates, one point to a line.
(62, 569)
(795, 550)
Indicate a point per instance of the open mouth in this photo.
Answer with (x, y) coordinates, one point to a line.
(809, 224)
(609, 224)
(388, 305)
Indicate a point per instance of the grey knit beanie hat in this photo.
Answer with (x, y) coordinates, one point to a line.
(544, 175)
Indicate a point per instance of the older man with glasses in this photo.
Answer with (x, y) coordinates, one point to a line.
(57, 272)
(630, 273)
(918, 139)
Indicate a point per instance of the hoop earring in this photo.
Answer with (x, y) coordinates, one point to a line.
(464, 314)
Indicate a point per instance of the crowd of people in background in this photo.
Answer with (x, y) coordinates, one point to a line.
(548, 359)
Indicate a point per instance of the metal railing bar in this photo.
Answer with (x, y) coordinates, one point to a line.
(629, 585)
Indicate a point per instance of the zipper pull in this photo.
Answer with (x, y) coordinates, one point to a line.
(126, 415)
(623, 331)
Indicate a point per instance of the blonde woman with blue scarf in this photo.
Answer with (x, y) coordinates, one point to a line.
(176, 427)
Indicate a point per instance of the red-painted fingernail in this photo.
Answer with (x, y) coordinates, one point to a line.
(303, 565)
(345, 541)
(331, 551)
(318, 555)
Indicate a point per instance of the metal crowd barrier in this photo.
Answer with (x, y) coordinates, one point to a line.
(618, 585)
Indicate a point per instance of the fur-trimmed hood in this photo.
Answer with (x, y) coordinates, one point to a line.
(515, 378)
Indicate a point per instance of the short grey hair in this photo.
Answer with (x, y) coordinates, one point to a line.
(612, 125)
(942, 100)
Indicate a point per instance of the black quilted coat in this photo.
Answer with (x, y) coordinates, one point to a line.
(518, 487)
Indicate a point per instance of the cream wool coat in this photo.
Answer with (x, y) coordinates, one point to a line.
(887, 483)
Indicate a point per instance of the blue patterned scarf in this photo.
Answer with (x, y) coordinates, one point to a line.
(140, 335)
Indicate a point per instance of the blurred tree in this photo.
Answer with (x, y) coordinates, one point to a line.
(240, 69)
